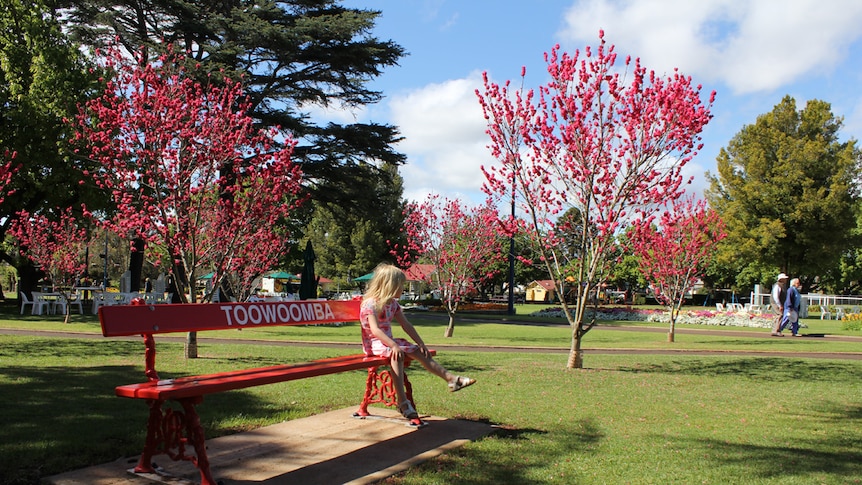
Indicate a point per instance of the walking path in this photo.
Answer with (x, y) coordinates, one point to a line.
(510, 348)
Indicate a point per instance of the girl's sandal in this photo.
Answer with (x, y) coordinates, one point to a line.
(407, 410)
(460, 382)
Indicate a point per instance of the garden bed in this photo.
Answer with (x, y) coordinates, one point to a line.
(698, 317)
(491, 308)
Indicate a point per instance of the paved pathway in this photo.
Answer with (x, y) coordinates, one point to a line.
(324, 449)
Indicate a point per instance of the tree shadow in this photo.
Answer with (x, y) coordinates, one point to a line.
(63, 417)
(500, 461)
(756, 368)
(804, 458)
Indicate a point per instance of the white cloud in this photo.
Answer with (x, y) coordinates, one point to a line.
(749, 46)
(695, 171)
(444, 139)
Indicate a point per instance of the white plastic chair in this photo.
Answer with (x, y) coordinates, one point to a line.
(62, 302)
(825, 314)
(719, 307)
(99, 300)
(25, 301)
(754, 309)
(839, 313)
(40, 304)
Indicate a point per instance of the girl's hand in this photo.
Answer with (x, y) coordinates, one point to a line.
(424, 351)
(397, 353)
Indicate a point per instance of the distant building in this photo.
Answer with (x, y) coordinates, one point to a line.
(541, 291)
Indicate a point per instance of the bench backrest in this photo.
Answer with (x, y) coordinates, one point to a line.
(124, 320)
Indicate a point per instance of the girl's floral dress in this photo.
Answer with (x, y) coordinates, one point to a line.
(371, 344)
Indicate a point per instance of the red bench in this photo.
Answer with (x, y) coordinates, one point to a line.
(170, 430)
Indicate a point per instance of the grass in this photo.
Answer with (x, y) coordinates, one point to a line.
(638, 419)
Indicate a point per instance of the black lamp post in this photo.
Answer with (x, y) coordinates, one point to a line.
(511, 309)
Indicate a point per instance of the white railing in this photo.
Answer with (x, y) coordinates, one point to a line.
(847, 303)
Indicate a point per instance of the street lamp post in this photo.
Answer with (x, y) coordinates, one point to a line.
(511, 309)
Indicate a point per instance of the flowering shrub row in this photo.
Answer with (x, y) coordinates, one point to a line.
(852, 321)
(701, 317)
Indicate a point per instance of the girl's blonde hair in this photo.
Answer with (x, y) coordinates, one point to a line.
(387, 281)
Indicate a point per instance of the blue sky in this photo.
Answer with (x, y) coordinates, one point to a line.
(752, 53)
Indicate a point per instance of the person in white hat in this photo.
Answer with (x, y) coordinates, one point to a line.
(779, 296)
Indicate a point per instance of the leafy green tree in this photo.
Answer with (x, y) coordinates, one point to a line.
(527, 269)
(626, 272)
(787, 187)
(42, 79)
(352, 239)
(846, 279)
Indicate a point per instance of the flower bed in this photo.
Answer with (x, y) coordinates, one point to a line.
(463, 307)
(700, 317)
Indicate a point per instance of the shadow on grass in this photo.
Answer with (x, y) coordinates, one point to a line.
(804, 458)
(757, 368)
(837, 455)
(63, 417)
(499, 461)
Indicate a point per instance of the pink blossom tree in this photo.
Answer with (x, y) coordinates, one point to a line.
(607, 140)
(56, 246)
(189, 173)
(461, 243)
(674, 252)
(8, 168)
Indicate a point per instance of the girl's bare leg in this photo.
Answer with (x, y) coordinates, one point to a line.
(397, 366)
(432, 366)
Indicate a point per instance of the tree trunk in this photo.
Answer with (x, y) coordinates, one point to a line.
(670, 333)
(576, 357)
(28, 276)
(191, 345)
(450, 329)
(179, 282)
(136, 265)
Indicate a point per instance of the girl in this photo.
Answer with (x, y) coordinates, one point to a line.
(379, 307)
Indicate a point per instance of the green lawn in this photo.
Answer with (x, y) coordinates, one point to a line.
(638, 419)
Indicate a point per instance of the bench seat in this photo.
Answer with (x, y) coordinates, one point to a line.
(185, 387)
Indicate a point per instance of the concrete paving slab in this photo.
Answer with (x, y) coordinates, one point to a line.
(329, 448)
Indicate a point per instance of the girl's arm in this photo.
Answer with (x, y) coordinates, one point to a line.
(411, 331)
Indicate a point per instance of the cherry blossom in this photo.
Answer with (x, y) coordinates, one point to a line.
(461, 243)
(675, 249)
(605, 139)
